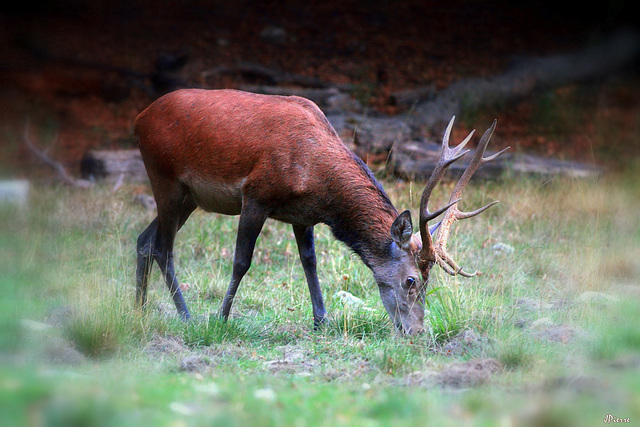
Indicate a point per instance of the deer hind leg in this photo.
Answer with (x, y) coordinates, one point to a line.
(307, 252)
(156, 243)
(252, 219)
(145, 261)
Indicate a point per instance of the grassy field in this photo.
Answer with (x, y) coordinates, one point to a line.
(547, 335)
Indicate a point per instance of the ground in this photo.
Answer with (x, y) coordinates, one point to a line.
(545, 336)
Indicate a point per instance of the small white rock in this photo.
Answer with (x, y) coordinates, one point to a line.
(265, 394)
(502, 248)
(209, 388)
(543, 322)
(597, 297)
(33, 325)
(349, 299)
(182, 409)
(14, 193)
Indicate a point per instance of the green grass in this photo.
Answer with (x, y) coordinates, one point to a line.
(74, 351)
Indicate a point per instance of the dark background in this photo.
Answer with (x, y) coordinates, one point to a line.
(79, 71)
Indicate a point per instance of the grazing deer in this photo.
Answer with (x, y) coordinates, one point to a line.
(260, 157)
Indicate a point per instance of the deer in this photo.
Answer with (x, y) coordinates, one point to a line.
(268, 156)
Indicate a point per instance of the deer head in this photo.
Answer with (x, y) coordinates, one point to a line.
(403, 295)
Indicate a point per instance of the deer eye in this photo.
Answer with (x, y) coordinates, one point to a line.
(410, 282)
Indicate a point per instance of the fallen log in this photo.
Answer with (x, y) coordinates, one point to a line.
(598, 60)
(410, 97)
(113, 165)
(416, 161)
(271, 76)
(371, 135)
(329, 99)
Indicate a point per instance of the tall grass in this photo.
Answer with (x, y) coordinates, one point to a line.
(71, 268)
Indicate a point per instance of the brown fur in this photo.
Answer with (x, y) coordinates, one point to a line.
(282, 150)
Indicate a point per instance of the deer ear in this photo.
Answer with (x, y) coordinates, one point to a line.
(402, 229)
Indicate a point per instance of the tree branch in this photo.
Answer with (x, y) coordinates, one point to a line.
(56, 166)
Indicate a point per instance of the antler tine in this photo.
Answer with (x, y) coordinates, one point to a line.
(476, 161)
(428, 216)
(447, 157)
(453, 214)
(465, 215)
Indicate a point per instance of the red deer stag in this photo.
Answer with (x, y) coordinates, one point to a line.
(260, 157)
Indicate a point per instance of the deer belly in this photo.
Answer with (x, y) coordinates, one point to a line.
(220, 197)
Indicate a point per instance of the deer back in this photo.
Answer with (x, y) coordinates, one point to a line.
(225, 144)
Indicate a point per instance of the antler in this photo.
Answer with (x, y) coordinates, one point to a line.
(437, 252)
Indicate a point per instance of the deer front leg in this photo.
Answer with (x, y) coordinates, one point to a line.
(252, 219)
(307, 251)
(165, 261)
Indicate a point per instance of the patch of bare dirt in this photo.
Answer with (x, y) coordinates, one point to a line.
(467, 341)
(166, 346)
(294, 360)
(194, 363)
(457, 375)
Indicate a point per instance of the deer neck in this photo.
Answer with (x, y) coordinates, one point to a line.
(365, 227)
